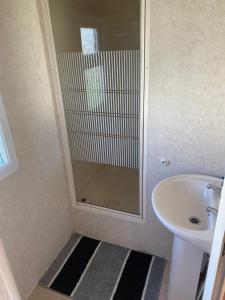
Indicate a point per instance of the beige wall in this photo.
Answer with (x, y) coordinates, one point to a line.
(186, 111)
(3, 291)
(34, 206)
(186, 125)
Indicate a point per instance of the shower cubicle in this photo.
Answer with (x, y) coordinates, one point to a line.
(98, 55)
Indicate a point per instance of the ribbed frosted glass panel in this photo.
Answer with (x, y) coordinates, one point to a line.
(101, 95)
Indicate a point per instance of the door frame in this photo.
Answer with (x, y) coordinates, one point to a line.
(50, 52)
(216, 254)
(7, 279)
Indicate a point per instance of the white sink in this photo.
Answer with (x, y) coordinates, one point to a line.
(175, 201)
(179, 198)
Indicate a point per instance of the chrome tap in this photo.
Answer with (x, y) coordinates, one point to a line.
(212, 210)
(214, 187)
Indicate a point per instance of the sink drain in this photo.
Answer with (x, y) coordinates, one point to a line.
(194, 220)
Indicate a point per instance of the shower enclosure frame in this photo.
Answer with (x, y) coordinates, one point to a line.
(50, 52)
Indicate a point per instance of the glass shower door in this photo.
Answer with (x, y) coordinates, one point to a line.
(98, 52)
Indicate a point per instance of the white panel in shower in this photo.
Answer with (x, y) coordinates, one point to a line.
(8, 160)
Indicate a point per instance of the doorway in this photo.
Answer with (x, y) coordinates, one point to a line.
(101, 66)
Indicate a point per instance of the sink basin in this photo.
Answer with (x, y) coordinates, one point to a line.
(180, 204)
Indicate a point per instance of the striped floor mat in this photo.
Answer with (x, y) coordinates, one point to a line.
(88, 269)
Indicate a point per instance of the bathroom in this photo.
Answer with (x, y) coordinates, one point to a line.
(181, 94)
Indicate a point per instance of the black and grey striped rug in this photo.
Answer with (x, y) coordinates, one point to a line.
(88, 269)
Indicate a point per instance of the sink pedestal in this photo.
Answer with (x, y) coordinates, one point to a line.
(185, 270)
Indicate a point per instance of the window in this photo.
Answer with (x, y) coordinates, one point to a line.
(89, 40)
(4, 159)
(94, 87)
(8, 160)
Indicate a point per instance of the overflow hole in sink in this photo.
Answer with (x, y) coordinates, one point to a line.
(194, 220)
